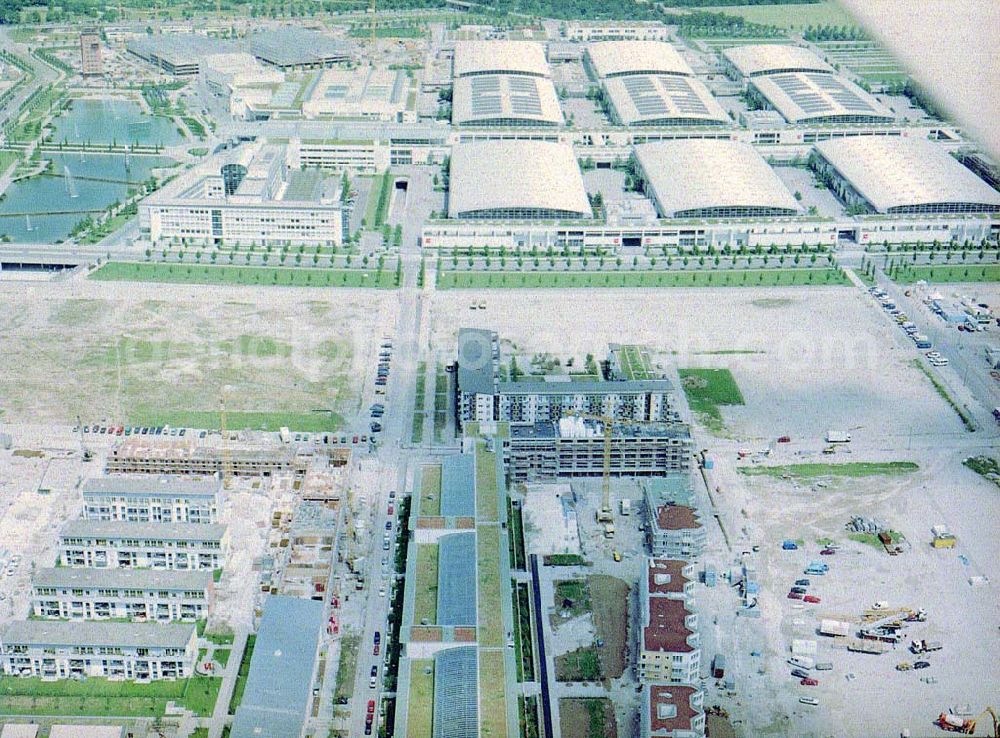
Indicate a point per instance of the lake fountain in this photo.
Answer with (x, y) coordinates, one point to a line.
(70, 184)
(27, 223)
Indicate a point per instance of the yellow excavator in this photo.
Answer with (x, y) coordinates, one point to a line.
(966, 726)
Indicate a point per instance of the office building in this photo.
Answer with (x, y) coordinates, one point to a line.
(272, 203)
(295, 48)
(91, 64)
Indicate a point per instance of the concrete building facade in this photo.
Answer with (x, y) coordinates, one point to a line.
(112, 544)
(144, 499)
(66, 650)
(91, 63)
(133, 594)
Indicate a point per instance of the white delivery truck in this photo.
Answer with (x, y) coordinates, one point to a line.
(835, 436)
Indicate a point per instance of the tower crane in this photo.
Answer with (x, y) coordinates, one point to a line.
(604, 513)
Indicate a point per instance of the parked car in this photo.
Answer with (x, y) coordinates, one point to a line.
(813, 599)
(921, 664)
(827, 552)
(809, 682)
(800, 590)
(801, 582)
(785, 439)
(800, 673)
(794, 596)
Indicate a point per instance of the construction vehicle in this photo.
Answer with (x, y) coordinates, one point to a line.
(943, 538)
(904, 666)
(967, 726)
(922, 646)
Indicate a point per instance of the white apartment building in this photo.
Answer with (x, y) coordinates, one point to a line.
(134, 594)
(65, 650)
(111, 544)
(153, 499)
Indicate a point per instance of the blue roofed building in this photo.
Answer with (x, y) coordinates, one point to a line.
(282, 670)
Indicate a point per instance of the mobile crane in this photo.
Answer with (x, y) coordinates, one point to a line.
(966, 726)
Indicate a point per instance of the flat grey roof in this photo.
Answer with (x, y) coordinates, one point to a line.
(168, 579)
(588, 387)
(805, 96)
(115, 529)
(177, 48)
(458, 485)
(91, 633)
(279, 684)
(475, 361)
(896, 172)
(504, 57)
(145, 485)
(485, 98)
(506, 175)
(755, 59)
(658, 99)
(614, 58)
(288, 46)
(702, 174)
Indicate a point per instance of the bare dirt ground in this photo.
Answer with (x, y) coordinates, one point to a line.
(575, 718)
(610, 602)
(104, 350)
(807, 361)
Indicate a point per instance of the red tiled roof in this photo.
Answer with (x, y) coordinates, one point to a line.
(670, 694)
(666, 630)
(676, 517)
(669, 572)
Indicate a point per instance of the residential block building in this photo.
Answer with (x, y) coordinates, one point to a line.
(112, 544)
(672, 711)
(135, 594)
(669, 645)
(144, 499)
(66, 650)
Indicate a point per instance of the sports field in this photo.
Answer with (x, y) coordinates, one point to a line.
(792, 17)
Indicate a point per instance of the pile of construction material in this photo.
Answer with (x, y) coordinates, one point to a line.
(860, 524)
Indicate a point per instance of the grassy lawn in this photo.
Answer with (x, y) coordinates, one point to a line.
(635, 363)
(486, 484)
(250, 275)
(492, 699)
(440, 403)
(388, 32)
(943, 393)
(984, 466)
(417, 432)
(426, 589)
(32, 696)
(221, 639)
(707, 390)
(581, 665)
(7, 158)
(490, 616)
(870, 539)
(571, 596)
(420, 714)
(944, 273)
(564, 560)
(792, 17)
(241, 676)
(707, 278)
(222, 656)
(313, 422)
(347, 666)
(523, 644)
(430, 489)
(852, 469)
(518, 558)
